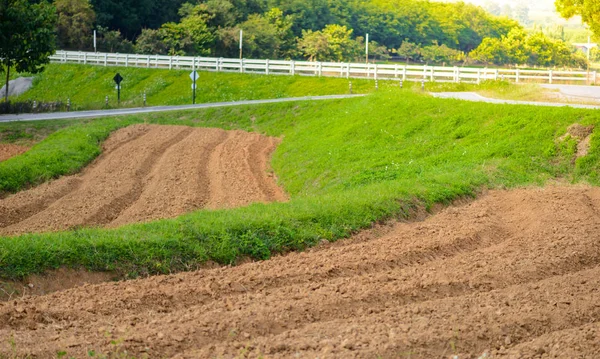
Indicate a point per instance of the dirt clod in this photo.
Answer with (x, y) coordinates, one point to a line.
(583, 135)
(432, 289)
(580, 131)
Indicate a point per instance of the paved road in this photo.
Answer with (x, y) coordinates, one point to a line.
(133, 111)
(472, 96)
(577, 91)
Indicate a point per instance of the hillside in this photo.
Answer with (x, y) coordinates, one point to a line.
(482, 277)
(88, 86)
(344, 165)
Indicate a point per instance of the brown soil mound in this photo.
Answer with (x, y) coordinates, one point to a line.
(149, 172)
(8, 150)
(514, 274)
(583, 135)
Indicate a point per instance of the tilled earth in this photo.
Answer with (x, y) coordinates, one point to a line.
(9, 150)
(148, 172)
(515, 274)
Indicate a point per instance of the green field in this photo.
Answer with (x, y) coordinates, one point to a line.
(345, 163)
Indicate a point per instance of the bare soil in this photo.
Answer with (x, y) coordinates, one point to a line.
(9, 150)
(149, 172)
(515, 274)
(53, 281)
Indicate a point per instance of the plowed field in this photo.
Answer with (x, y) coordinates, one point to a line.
(514, 274)
(7, 151)
(147, 172)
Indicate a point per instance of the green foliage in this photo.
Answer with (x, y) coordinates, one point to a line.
(266, 35)
(113, 41)
(150, 42)
(76, 20)
(587, 9)
(129, 17)
(432, 54)
(409, 51)
(60, 154)
(441, 54)
(346, 164)
(26, 36)
(535, 49)
(273, 26)
(333, 43)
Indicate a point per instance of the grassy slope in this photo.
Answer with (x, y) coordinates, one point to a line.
(87, 86)
(346, 164)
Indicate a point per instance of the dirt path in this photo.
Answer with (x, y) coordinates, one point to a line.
(149, 172)
(8, 150)
(514, 274)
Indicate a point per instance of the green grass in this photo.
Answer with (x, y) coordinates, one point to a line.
(87, 86)
(62, 153)
(345, 163)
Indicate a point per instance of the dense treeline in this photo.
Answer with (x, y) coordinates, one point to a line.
(334, 30)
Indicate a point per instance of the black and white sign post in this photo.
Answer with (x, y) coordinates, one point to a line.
(118, 79)
(194, 76)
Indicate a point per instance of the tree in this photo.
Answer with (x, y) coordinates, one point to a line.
(308, 14)
(150, 42)
(510, 49)
(536, 49)
(27, 37)
(376, 50)
(490, 51)
(268, 35)
(438, 54)
(129, 17)
(409, 51)
(113, 41)
(75, 23)
(333, 43)
(191, 36)
(589, 10)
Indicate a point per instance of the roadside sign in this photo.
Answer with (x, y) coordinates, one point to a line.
(118, 79)
(194, 76)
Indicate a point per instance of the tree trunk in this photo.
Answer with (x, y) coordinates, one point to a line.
(7, 81)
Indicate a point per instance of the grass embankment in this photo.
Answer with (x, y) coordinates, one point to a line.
(345, 163)
(87, 86)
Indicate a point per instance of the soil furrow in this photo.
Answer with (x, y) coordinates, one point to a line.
(21, 206)
(111, 211)
(172, 186)
(25, 204)
(239, 168)
(203, 180)
(146, 172)
(577, 342)
(258, 157)
(514, 274)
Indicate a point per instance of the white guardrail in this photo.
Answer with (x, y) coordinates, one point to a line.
(330, 69)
